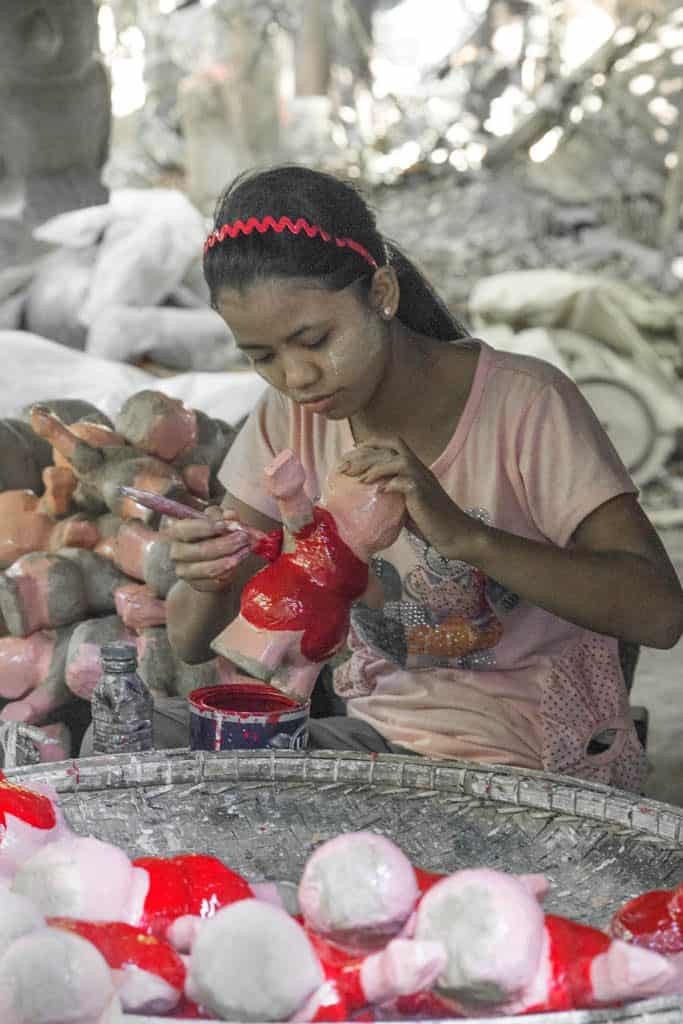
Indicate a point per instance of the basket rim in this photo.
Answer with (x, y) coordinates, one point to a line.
(504, 784)
(660, 1010)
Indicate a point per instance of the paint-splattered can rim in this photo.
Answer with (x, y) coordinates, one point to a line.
(289, 710)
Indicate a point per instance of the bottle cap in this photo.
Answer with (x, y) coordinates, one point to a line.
(120, 651)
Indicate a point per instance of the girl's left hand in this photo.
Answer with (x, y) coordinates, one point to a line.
(435, 515)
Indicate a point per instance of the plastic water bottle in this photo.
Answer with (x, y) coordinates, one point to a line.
(121, 703)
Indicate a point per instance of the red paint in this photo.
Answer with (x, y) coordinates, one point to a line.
(33, 808)
(425, 1005)
(426, 879)
(344, 971)
(652, 920)
(269, 546)
(310, 589)
(187, 1010)
(573, 948)
(188, 884)
(244, 699)
(122, 945)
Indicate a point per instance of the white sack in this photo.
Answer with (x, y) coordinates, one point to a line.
(146, 239)
(193, 339)
(34, 368)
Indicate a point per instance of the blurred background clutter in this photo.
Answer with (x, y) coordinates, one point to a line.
(528, 152)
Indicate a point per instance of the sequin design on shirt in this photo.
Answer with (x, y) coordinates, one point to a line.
(443, 614)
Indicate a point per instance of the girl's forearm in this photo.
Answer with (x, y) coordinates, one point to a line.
(614, 592)
(194, 619)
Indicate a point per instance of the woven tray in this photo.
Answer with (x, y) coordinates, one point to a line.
(263, 813)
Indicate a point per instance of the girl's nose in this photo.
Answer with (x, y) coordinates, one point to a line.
(299, 372)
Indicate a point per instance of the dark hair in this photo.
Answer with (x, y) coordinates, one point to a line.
(338, 208)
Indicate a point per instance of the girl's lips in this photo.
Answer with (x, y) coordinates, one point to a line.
(321, 406)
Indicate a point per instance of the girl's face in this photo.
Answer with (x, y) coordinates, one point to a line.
(325, 350)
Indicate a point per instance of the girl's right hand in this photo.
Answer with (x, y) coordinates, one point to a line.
(207, 551)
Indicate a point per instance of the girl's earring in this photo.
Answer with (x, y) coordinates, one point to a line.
(386, 312)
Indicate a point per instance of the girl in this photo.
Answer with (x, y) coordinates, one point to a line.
(526, 557)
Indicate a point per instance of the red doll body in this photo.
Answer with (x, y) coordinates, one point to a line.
(194, 884)
(148, 973)
(29, 819)
(310, 589)
(356, 982)
(653, 920)
(64, 879)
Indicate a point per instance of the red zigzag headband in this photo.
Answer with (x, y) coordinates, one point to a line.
(240, 227)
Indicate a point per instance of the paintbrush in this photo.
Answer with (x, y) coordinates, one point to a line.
(180, 510)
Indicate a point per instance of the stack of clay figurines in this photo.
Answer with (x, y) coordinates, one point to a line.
(84, 565)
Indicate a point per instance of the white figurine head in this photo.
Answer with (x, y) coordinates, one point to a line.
(85, 878)
(493, 928)
(252, 962)
(54, 977)
(358, 890)
(18, 917)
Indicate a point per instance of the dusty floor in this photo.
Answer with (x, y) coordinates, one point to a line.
(659, 686)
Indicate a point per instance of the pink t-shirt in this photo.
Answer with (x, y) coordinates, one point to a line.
(454, 665)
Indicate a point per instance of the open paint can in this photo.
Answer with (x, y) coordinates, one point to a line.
(246, 716)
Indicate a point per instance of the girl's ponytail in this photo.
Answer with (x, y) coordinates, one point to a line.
(420, 307)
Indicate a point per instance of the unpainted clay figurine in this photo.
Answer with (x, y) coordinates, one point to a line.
(167, 429)
(144, 554)
(32, 669)
(45, 591)
(25, 527)
(294, 613)
(102, 468)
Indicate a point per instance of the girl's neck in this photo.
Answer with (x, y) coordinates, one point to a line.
(417, 387)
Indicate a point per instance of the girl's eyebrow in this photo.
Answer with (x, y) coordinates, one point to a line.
(290, 337)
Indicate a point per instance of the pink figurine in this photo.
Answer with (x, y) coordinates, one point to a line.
(504, 956)
(25, 662)
(252, 961)
(64, 879)
(25, 527)
(295, 612)
(30, 819)
(138, 607)
(42, 591)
